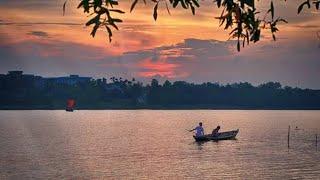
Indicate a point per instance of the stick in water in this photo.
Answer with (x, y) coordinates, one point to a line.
(289, 137)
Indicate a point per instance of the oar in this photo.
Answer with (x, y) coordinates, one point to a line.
(189, 130)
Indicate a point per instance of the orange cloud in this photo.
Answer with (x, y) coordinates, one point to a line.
(161, 68)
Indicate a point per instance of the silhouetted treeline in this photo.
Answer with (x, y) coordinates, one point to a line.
(23, 92)
(270, 95)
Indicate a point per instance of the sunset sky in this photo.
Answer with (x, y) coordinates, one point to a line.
(36, 38)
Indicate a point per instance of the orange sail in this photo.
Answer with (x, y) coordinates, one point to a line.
(70, 105)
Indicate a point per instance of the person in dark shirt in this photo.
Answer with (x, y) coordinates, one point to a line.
(215, 131)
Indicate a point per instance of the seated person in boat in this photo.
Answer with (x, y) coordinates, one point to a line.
(215, 131)
(199, 130)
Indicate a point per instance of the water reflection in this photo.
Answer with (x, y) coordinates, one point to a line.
(154, 145)
(199, 145)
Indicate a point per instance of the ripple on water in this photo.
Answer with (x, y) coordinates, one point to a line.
(147, 144)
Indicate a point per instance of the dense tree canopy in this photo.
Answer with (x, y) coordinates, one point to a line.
(240, 17)
(25, 92)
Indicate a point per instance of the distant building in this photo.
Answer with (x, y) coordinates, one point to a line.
(70, 80)
(15, 73)
(17, 78)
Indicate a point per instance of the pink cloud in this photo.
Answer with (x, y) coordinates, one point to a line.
(161, 68)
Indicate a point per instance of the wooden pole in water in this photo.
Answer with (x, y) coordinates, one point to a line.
(316, 140)
(289, 137)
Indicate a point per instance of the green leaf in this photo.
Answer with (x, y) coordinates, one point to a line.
(168, 8)
(255, 36)
(233, 30)
(80, 4)
(238, 46)
(317, 4)
(97, 4)
(282, 20)
(272, 10)
(117, 20)
(218, 3)
(175, 3)
(195, 2)
(155, 13)
(183, 4)
(110, 33)
(64, 7)
(114, 26)
(93, 20)
(301, 6)
(243, 42)
(193, 10)
(133, 5)
(247, 35)
(85, 5)
(94, 30)
(308, 4)
(113, 2)
(248, 2)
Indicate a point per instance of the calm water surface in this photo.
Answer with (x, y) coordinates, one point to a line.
(153, 144)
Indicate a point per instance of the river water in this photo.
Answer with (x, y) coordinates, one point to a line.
(154, 144)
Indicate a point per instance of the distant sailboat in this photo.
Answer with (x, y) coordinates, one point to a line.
(70, 105)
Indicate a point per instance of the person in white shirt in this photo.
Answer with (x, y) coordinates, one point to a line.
(199, 130)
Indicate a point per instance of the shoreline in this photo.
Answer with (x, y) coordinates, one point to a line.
(164, 108)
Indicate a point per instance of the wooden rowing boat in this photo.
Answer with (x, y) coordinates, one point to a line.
(219, 136)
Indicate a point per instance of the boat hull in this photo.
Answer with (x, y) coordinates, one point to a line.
(220, 136)
(69, 110)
